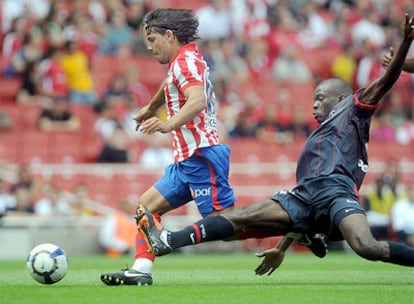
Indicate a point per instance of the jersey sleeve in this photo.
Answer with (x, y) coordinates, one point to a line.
(188, 72)
(361, 105)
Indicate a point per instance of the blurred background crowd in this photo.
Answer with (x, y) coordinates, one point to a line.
(79, 69)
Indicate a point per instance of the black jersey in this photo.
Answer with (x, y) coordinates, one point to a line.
(338, 145)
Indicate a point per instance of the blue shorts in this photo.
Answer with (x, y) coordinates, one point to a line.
(203, 177)
(320, 205)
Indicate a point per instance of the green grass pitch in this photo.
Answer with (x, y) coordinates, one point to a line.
(218, 278)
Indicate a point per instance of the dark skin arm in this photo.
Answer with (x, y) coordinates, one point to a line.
(373, 94)
(273, 258)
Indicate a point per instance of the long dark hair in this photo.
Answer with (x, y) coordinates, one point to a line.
(181, 22)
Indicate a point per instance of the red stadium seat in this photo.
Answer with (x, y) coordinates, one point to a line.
(66, 147)
(36, 147)
(8, 89)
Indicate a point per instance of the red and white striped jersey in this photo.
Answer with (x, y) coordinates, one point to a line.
(187, 69)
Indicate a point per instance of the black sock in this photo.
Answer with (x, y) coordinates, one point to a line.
(211, 228)
(401, 254)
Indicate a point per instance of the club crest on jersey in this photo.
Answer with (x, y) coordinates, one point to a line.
(363, 166)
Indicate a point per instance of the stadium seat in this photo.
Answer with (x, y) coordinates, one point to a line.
(36, 147)
(9, 147)
(66, 147)
(8, 89)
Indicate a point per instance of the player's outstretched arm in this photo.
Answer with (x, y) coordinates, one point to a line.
(375, 91)
(273, 258)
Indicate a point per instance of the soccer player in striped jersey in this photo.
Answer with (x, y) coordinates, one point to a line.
(201, 164)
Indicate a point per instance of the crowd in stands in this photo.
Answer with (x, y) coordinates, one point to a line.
(251, 46)
(51, 47)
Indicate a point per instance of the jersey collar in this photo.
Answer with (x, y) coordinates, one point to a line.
(187, 47)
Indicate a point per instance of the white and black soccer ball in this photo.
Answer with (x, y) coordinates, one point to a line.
(47, 263)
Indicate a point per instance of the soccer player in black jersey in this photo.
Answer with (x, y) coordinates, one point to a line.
(330, 171)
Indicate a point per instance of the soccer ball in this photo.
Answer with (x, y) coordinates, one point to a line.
(47, 263)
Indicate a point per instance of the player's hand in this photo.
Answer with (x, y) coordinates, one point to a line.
(386, 60)
(154, 124)
(143, 114)
(409, 27)
(272, 260)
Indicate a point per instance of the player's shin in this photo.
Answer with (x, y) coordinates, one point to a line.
(144, 258)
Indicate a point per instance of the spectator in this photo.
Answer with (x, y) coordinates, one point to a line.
(289, 67)
(116, 94)
(402, 217)
(156, 153)
(229, 65)
(380, 198)
(52, 202)
(30, 91)
(314, 30)
(6, 122)
(83, 34)
(397, 114)
(57, 117)
(267, 128)
(117, 35)
(369, 66)
(381, 129)
(257, 59)
(215, 12)
(7, 198)
(13, 40)
(26, 190)
(368, 30)
(136, 10)
(117, 235)
(115, 140)
(54, 81)
(52, 25)
(250, 20)
(32, 11)
(344, 65)
(30, 51)
(404, 134)
(136, 87)
(244, 126)
(76, 66)
(283, 29)
(79, 201)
